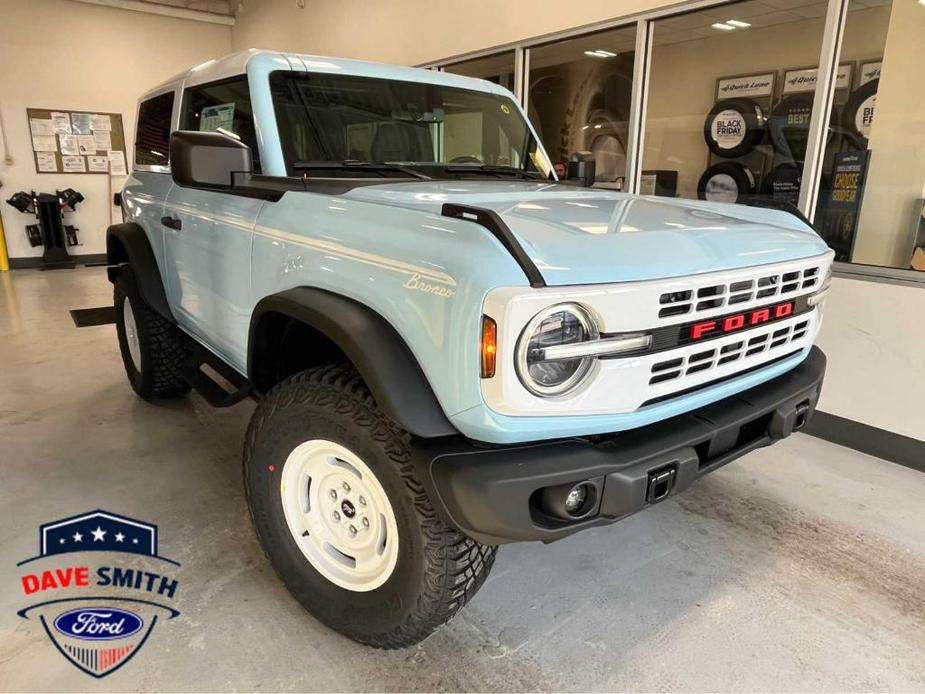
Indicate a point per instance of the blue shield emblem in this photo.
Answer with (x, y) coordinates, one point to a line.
(98, 614)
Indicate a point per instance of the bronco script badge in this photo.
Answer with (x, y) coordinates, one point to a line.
(98, 613)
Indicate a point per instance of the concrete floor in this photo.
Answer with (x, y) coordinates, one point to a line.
(801, 567)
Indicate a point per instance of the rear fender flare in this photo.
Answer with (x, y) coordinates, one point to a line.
(128, 244)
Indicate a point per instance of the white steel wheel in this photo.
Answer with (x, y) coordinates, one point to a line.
(339, 515)
(131, 333)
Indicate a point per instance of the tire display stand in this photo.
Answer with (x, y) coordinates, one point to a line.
(735, 132)
(51, 232)
(756, 134)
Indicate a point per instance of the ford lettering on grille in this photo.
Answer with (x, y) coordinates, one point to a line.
(738, 321)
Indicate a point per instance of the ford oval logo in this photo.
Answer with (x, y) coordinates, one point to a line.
(98, 623)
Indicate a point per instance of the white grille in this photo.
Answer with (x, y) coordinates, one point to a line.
(771, 340)
(714, 296)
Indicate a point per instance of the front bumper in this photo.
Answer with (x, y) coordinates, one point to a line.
(492, 494)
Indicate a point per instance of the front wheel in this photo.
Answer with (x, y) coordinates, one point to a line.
(344, 519)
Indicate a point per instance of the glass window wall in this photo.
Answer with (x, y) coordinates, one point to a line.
(579, 99)
(729, 100)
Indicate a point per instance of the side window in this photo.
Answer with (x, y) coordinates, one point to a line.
(152, 134)
(222, 105)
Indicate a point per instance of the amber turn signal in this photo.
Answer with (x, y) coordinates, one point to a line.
(489, 346)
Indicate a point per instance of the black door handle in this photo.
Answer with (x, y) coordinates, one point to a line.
(172, 222)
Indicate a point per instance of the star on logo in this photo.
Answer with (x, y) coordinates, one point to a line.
(78, 537)
(119, 537)
(98, 534)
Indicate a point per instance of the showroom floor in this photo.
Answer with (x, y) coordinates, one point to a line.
(801, 567)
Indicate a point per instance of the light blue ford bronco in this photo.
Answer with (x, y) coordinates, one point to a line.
(449, 348)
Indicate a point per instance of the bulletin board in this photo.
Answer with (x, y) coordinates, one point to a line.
(79, 142)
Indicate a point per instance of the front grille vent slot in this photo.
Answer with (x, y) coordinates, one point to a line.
(716, 296)
(771, 340)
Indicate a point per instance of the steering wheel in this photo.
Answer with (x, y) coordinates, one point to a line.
(466, 159)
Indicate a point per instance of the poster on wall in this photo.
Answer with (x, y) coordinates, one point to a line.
(841, 207)
(745, 86)
(61, 123)
(66, 141)
(869, 72)
(47, 162)
(804, 80)
(73, 164)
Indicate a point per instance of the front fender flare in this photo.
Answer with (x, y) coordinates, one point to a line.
(375, 348)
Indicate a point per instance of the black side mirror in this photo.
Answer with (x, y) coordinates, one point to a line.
(207, 159)
(581, 166)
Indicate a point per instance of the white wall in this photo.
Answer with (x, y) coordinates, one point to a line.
(874, 336)
(69, 55)
(411, 32)
(896, 177)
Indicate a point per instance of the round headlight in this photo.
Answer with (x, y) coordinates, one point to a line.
(563, 324)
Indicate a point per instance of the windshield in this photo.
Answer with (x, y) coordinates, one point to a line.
(431, 128)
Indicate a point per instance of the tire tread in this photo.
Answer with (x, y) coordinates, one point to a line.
(455, 565)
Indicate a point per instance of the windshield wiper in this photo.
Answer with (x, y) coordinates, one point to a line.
(494, 169)
(356, 164)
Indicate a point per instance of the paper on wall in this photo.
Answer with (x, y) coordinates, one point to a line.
(95, 164)
(44, 143)
(61, 122)
(69, 144)
(73, 164)
(86, 144)
(80, 123)
(100, 121)
(117, 163)
(46, 162)
(102, 140)
(41, 127)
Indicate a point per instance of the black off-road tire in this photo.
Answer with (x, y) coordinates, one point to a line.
(163, 348)
(437, 570)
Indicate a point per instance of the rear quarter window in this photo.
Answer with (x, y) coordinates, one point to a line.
(152, 134)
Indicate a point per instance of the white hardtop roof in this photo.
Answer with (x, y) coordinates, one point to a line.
(236, 64)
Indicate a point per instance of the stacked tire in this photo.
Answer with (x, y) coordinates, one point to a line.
(732, 129)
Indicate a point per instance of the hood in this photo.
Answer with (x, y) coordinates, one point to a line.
(589, 236)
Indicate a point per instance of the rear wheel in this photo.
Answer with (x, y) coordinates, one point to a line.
(344, 519)
(153, 350)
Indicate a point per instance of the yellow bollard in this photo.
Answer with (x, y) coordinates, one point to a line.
(4, 258)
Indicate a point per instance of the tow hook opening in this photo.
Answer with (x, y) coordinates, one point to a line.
(661, 482)
(802, 415)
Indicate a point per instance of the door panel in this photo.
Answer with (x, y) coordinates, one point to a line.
(208, 258)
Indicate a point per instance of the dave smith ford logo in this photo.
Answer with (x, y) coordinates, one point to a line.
(98, 614)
